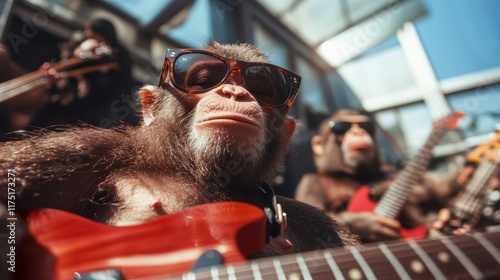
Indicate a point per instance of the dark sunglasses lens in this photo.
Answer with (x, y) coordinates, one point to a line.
(368, 126)
(341, 128)
(198, 71)
(268, 85)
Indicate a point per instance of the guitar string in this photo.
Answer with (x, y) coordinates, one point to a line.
(391, 204)
(466, 262)
(351, 263)
(473, 197)
(38, 73)
(430, 246)
(468, 204)
(36, 78)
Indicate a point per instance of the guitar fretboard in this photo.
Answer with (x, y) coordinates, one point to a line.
(24, 83)
(464, 257)
(468, 204)
(29, 81)
(393, 199)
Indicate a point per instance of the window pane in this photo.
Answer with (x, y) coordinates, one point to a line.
(197, 28)
(275, 49)
(461, 37)
(311, 93)
(407, 126)
(143, 10)
(482, 106)
(381, 77)
(5, 7)
(277, 6)
(384, 72)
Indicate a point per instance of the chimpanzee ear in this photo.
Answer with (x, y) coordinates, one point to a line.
(317, 145)
(290, 125)
(147, 94)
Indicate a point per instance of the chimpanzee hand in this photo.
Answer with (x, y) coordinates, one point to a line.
(370, 226)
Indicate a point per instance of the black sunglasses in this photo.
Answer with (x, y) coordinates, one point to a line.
(196, 71)
(340, 128)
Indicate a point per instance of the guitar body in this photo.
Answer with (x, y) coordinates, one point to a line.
(63, 243)
(361, 202)
(167, 247)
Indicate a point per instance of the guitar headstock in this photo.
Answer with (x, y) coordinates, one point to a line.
(450, 121)
(490, 149)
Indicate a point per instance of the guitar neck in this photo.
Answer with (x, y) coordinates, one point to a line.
(38, 78)
(22, 84)
(393, 199)
(463, 257)
(468, 204)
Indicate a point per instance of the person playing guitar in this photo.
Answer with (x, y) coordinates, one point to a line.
(94, 71)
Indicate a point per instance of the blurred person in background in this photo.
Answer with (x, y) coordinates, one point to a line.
(99, 91)
(95, 97)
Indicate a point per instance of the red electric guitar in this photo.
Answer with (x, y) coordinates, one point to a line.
(68, 243)
(65, 246)
(394, 198)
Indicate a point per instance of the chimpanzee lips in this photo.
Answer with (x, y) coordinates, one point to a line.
(231, 118)
(359, 146)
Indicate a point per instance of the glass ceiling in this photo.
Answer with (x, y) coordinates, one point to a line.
(198, 33)
(319, 19)
(323, 24)
(143, 10)
(322, 19)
